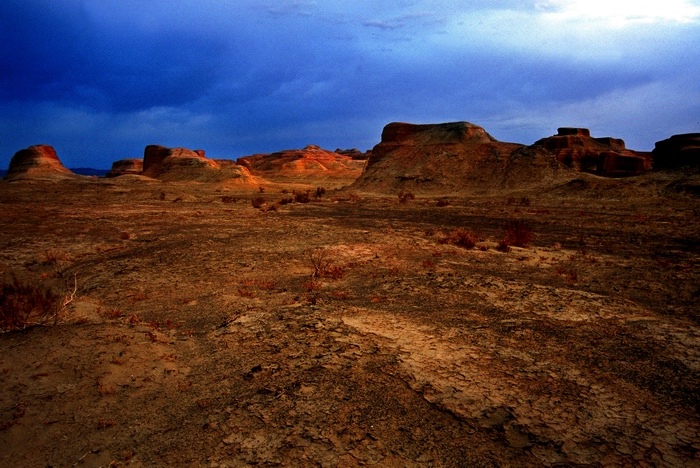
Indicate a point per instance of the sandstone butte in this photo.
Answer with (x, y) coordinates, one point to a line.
(39, 162)
(184, 165)
(311, 162)
(126, 167)
(678, 151)
(453, 156)
(607, 157)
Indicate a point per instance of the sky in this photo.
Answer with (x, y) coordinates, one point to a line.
(101, 79)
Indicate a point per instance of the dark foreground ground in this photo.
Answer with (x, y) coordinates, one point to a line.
(198, 337)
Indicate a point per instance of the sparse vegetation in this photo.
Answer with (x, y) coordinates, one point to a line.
(25, 303)
(404, 197)
(321, 262)
(302, 197)
(460, 237)
(441, 202)
(320, 192)
(517, 233)
(257, 202)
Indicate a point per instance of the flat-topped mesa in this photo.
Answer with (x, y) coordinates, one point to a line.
(604, 156)
(37, 162)
(131, 166)
(406, 135)
(678, 151)
(566, 131)
(452, 157)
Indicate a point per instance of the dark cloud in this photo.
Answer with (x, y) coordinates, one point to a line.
(243, 77)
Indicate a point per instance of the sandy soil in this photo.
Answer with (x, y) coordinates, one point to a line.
(198, 337)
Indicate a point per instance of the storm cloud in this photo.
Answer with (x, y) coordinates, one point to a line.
(100, 80)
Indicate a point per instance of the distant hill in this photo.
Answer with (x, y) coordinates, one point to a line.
(88, 171)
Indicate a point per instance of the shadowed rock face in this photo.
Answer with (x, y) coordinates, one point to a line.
(126, 167)
(37, 162)
(452, 157)
(606, 156)
(677, 151)
(307, 163)
(399, 135)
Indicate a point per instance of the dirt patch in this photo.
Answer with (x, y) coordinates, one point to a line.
(200, 334)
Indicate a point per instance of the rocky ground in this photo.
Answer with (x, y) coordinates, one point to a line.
(197, 335)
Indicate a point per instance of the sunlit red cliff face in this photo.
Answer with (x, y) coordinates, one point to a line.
(448, 157)
(37, 162)
(311, 163)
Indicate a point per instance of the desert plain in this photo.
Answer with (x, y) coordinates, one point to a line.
(222, 324)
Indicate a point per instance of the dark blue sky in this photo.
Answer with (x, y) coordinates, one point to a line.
(101, 79)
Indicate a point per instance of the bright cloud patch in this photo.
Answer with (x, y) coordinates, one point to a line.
(621, 13)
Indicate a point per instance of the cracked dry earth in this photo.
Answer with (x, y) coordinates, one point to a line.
(197, 338)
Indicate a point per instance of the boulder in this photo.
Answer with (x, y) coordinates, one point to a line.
(678, 151)
(605, 156)
(37, 162)
(126, 167)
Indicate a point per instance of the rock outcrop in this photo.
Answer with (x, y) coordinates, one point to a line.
(311, 164)
(185, 165)
(37, 162)
(126, 167)
(453, 157)
(354, 153)
(608, 157)
(678, 151)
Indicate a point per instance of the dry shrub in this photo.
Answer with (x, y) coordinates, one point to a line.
(320, 192)
(503, 246)
(320, 261)
(229, 199)
(26, 303)
(257, 202)
(340, 295)
(286, 201)
(334, 272)
(461, 238)
(442, 202)
(302, 197)
(525, 201)
(517, 233)
(311, 285)
(404, 197)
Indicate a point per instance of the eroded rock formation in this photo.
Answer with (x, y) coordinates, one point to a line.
(450, 157)
(185, 165)
(37, 162)
(311, 162)
(677, 151)
(126, 167)
(606, 156)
